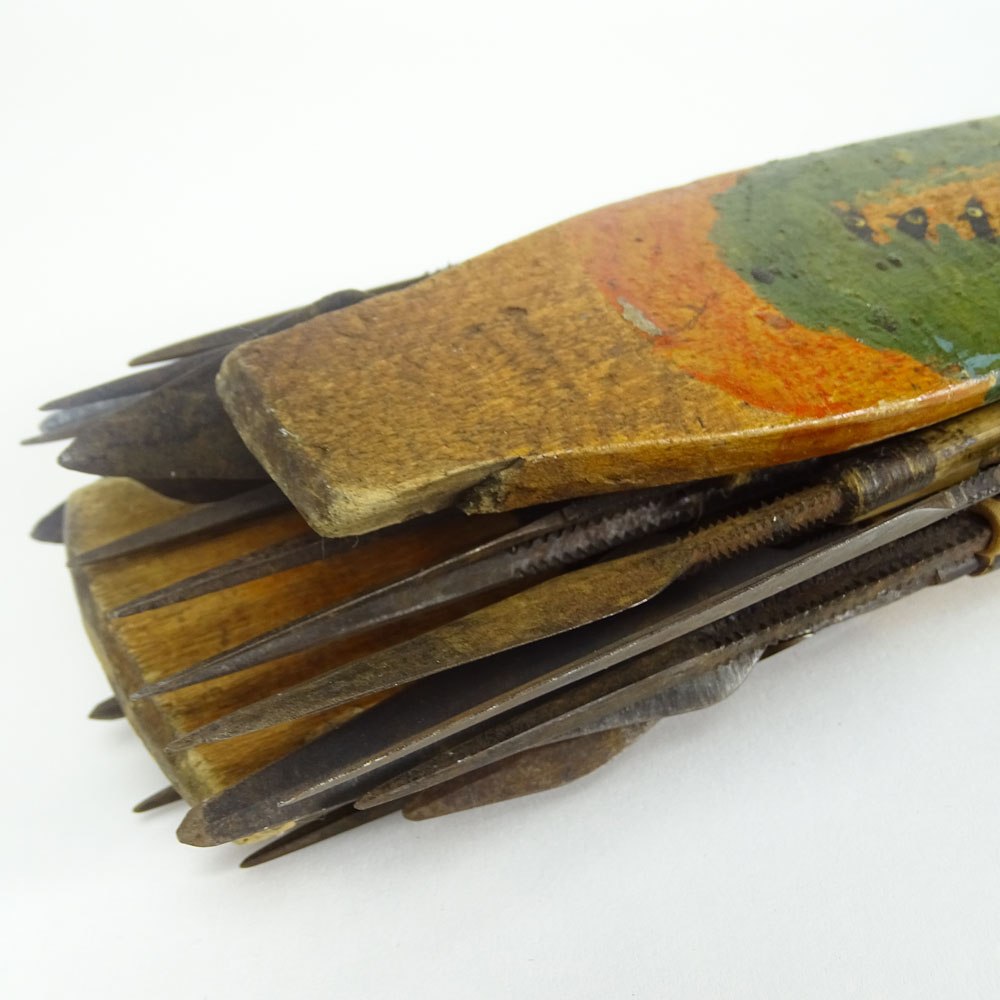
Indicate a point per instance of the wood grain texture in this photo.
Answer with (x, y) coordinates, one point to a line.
(134, 651)
(626, 347)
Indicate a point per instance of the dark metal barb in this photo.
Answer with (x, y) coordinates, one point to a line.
(161, 798)
(110, 708)
(210, 518)
(50, 528)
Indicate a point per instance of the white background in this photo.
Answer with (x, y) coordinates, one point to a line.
(831, 831)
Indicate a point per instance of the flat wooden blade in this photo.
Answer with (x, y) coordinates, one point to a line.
(732, 324)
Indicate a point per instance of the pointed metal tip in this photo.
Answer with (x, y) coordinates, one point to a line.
(149, 358)
(309, 832)
(271, 559)
(194, 830)
(78, 459)
(39, 439)
(110, 708)
(147, 602)
(91, 557)
(126, 610)
(83, 559)
(225, 728)
(185, 742)
(163, 686)
(162, 598)
(259, 858)
(147, 691)
(50, 527)
(217, 516)
(161, 798)
(280, 847)
(54, 404)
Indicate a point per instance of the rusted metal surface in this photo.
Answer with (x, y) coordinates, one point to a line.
(398, 734)
(554, 542)
(673, 672)
(474, 696)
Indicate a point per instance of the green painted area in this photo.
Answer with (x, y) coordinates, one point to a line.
(937, 301)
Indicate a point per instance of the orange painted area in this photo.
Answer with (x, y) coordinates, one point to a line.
(654, 259)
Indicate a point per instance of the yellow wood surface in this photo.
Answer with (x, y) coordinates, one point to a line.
(518, 377)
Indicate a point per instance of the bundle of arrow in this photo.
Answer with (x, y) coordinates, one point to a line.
(466, 537)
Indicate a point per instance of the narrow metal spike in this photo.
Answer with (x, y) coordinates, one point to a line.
(110, 708)
(569, 601)
(161, 798)
(558, 540)
(567, 763)
(231, 336)
(312, 832)
(128, 385)
(263, 562)
(256, 802)
(180, 431)
(50, 527)
(227, 338)
(417, 720)
(706, 666)
(348, 761)
(477, 695)
(207, 519)
(64, 424)
(515, 555)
